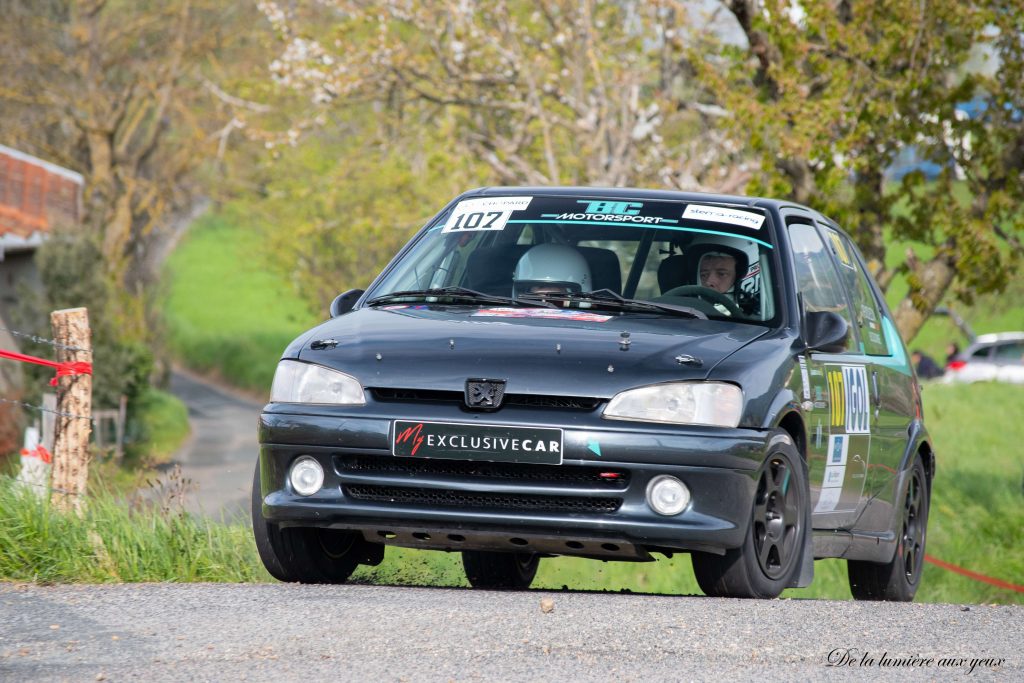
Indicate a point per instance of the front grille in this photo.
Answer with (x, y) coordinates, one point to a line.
(387, 394)
(484, 471)
(490, 501)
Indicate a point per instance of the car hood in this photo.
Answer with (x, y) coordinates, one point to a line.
(439, 348)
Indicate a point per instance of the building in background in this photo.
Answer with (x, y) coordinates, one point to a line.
(35, 197)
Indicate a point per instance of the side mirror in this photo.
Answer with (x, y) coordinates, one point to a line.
(344, 302)
(826, 331)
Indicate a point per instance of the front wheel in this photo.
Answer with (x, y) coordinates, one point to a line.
(305, 554)
(499, 570)
(898, 580)
(770, 556)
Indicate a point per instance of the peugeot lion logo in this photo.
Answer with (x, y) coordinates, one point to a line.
(484, 394)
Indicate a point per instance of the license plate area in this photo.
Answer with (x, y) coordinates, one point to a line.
(463, 441)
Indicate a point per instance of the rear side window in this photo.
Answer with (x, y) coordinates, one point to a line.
(1010, 353)
(816, 276)
(866, 313)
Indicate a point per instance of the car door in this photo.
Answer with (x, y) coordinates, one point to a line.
(892, 385)
(836, 391)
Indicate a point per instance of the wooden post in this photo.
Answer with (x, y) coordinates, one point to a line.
(74, 398)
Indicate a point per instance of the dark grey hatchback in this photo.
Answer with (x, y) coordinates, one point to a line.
(610, 374)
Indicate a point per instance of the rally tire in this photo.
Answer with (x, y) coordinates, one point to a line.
(898, 579)
(303, 554)
(499, 570)
(770, 558)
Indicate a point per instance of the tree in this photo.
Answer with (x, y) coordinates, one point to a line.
(114, 90)
(542, 92)
(827, 93)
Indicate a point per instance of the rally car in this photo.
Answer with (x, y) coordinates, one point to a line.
(613, 374)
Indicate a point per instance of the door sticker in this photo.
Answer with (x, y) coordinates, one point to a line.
(805, 378)
(848, 393)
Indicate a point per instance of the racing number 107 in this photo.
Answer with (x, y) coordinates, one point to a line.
(478, 220)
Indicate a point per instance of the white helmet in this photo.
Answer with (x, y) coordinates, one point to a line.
(747, 289)
(744, 246)
(553, 265)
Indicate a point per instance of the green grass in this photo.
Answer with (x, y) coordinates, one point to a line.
(158, 427)
(115, 541)
(227, 314)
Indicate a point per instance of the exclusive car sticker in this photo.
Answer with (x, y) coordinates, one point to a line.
(484, 213)
(469, 441)
(548, 313)
(718, 214)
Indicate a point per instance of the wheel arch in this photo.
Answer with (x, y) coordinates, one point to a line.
(792, 423)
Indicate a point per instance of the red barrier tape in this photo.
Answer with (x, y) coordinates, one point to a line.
(63, 369)
(974, 575)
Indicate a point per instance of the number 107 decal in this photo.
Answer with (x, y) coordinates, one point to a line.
(484, 213)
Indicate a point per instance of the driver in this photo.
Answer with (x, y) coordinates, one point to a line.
(551, 269)
(717, 271)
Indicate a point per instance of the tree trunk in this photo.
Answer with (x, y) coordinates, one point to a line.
(929, 283)
(74, 411)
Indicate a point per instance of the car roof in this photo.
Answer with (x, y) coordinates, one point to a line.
(640, 193)
(996, 337)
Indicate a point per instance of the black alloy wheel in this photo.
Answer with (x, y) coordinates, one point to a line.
(770, 558)
(777, 520)
(898, 579)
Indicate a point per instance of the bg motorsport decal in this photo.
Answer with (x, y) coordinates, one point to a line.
(612, 212)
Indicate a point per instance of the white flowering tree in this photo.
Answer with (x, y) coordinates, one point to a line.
(538, 91)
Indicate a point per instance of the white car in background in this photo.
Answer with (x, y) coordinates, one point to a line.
(990, 357)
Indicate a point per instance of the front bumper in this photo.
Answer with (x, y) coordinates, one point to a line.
(593, 505)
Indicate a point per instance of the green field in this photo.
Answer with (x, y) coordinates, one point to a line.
(235, 320)
(227, 315)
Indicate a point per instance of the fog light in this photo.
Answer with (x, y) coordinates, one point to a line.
(306, 476)
(667, 495)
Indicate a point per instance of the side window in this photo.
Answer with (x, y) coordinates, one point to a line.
(1010, 353)
(816, 276)
(866, 312)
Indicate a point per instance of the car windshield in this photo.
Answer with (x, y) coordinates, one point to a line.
(603, 253)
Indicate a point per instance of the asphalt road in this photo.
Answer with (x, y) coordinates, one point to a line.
(166, 632)
(221, 452)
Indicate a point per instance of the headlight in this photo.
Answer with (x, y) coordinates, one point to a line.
(691, 403)
(296, 382)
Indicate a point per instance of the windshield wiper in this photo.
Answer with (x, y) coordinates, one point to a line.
(454, 293)
(608, 298)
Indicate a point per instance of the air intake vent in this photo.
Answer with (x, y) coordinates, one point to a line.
(387, 394)
(488, 501)
(555, 475)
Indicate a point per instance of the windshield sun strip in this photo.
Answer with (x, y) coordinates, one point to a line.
(650, 227)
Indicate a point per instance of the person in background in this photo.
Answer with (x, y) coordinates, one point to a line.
(952, 351)
(925, 366)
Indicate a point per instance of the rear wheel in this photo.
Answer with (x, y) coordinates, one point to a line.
(898, 580)
(499, 570)
(770, 556)
(305, 554)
